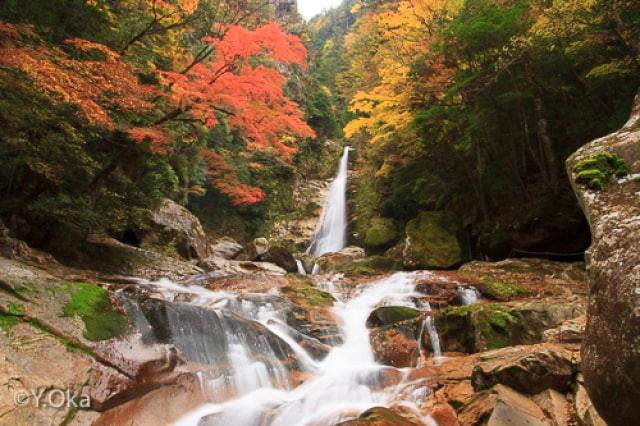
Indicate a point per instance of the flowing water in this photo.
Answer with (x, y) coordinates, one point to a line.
(251, 366)
(249, 382)
(331, 232)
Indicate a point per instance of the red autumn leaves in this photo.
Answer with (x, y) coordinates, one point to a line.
(241, 82)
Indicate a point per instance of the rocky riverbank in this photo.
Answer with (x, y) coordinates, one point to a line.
(138, 350)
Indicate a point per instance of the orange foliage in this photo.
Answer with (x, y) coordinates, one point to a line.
(158, 138)
(224, 179)
(252, 96)
(93, 85)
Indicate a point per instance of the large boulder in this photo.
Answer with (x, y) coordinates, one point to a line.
(332, 261)
(487, 326)
(431, 243)
(282, 257)
(527, 369)
(395, 335)
(611, 350)
(381, 233)
(174, 224)
(226, 248)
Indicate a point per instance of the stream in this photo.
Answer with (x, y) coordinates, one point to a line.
(244, 346)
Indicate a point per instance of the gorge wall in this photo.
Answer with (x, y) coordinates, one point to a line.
(612, 347)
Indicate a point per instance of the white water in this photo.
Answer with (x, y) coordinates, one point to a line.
(468, 295)
(347, 382)
(331, 232)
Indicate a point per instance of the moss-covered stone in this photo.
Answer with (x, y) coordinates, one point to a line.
(381, 233)
(432, 242)
(91, 303)
(368, 266)
(501, 290)
(596, 171)
(389, 315)
(477, 328)
(308, 295)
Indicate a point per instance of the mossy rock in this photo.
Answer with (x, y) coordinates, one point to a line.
(307, 295)
(502, 291)
(596, 171)
(479, 328)
(390, 315)
(381, 233)
(432, 242)
(369, 266)
(92, 304)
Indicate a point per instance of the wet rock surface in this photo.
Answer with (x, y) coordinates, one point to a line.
(178, 329)
(611, 347)
(174, 225)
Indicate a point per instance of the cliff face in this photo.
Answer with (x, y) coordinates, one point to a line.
(284, 8)
(611, 351)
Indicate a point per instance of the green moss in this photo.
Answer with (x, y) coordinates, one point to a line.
(369, 266)
(501, 290)
(389, 315)
(380, 233)
(92, 304)
(596, 172)
(16, 309)
(7, 322)
(432, 242)
(309, 295)
(480, 327)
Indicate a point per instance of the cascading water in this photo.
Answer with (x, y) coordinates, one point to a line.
(253, 386)
(331, 232)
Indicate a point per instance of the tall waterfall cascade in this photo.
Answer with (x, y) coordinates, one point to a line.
(331, 232)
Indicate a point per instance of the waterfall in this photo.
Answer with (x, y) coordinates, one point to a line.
(246, 374)
(331, 232)
(468, 295)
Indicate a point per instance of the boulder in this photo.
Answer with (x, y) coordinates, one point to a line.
(486, 326)
(431, 243)
(379, 416)
(282, 257)
(332, 261)
(555, 405)
(586, 413)
(226, 248)
(16, 249)
(513, 408)
(381, 233)
(527, 369)
(390, 315)
(254, 249)
(395, 335)
(611, 348)
(174, 224)
(224, 267)
(570, 331)
(395, 347)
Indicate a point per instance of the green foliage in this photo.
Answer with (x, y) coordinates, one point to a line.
(596, 172)
(16, 309)
(92, 304)
(7, 322)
